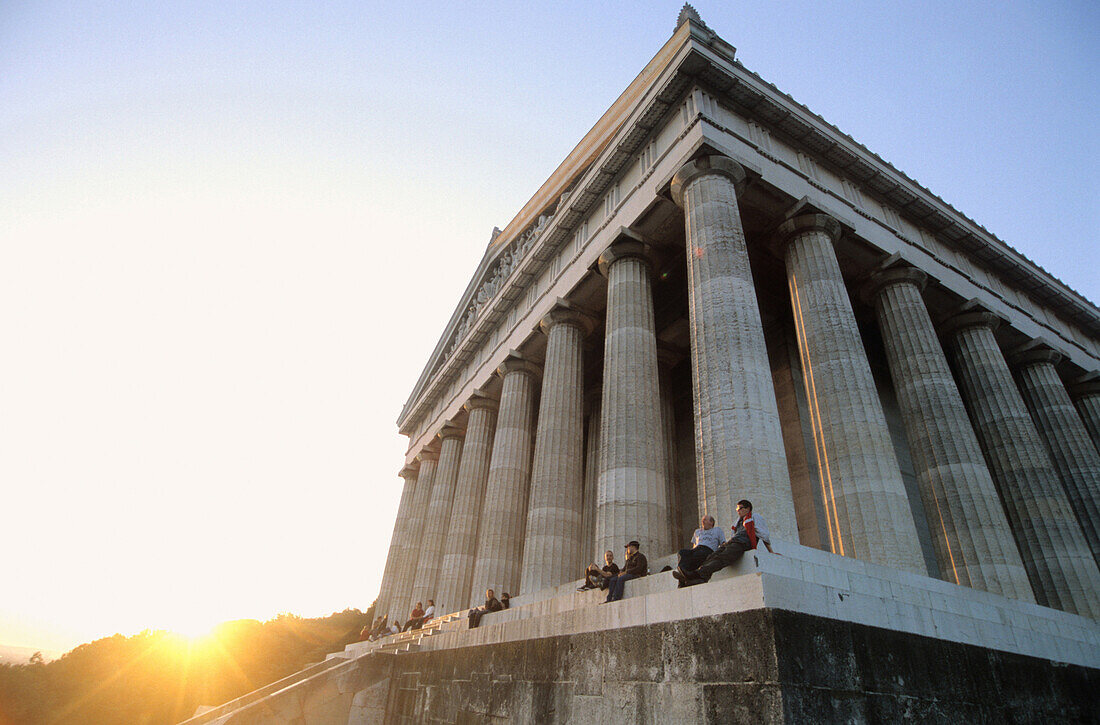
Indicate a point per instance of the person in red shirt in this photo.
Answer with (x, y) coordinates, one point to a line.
(415, 618)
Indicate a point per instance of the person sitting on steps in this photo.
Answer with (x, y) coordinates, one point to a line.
(636, 565)
(492, 604)
(704, 542)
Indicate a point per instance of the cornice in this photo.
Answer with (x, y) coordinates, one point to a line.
(606, 150)
(762, 101)
(696, 55)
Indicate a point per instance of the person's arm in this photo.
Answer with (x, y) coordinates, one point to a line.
(750, 529)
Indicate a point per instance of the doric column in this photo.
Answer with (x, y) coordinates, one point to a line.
(867, 509)
(1059, 564)
(1085, 392)
(970, 534)
(591, 479)
(738, 441)
(439, 515)
(399, 546)
(632, 502)
(1071, 450)
(504, 513)
(460, 543)
(553, 541)
(401, 603)
(666, 360)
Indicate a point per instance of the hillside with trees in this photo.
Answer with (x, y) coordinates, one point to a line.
(158, 677)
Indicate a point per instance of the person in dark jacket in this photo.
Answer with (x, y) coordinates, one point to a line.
(636, 565)
(492, 604)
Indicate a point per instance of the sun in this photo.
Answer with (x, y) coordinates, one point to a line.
(193, 628)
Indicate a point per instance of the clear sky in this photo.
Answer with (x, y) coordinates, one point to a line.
(231, 234)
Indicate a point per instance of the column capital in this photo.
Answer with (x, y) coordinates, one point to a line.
(410, 471)
(566, 312)
(480, 400)
(809, 222)
(970, 314)
(451, 430)
(1033, 352)
(880, 280)
(703, 166)
(517, 363)
(627, 244)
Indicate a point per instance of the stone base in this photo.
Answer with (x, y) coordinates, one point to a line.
(803, 637)
(756, 666)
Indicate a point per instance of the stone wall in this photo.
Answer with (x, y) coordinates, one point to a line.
(763, 666)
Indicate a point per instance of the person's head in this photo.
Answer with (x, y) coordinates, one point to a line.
(632, 548)
(744, 508)
(488, 593)
(505, 595)
(609, 556)
(707, 522)
(431, 602)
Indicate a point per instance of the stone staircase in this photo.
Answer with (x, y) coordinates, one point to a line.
(399, 643)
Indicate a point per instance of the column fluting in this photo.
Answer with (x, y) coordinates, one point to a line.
(738, 441)
(460, 543)
(591, 481)
(1067, 440)
(866, 505)
(1085, 392)
(553, 541)
(399, 547)
(632, 501)
(439, 515)
(401, 603)
(504, 513)
(970, 533)
(666, 359)
(1059, 564)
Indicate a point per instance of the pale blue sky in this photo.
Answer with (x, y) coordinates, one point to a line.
(230, 237)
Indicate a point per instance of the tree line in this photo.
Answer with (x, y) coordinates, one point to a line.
(157, 677)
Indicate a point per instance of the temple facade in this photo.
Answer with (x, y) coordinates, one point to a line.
(719, 296)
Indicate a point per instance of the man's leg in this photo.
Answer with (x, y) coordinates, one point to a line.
(726, 555)
(623, 579)
(612, 584)
(694, 558)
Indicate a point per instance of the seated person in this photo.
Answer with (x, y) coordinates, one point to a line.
(395, 627)
(636, 565)
(704, 542)
(747, 532)
(492, 604)
(415, 617)
(381, 628)
(601, 576)
(592, 578)
(505, 600)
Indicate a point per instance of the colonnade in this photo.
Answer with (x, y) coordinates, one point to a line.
(1005, 454)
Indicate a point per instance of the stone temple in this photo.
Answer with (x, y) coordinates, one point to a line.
(716, 296)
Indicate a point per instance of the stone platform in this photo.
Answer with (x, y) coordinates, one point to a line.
(790, 637)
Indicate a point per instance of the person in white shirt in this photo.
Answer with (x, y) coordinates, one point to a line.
(704, 542)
